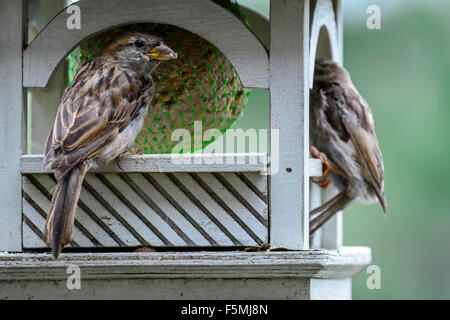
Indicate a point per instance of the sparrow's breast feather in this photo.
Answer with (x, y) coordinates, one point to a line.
(124, 139)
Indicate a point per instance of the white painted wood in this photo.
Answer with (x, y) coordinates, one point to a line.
(323, 16)
(331, 289)
(203, 197)
(148, 213)
(229, 162)
(161, 289)
(257, 181)
(31, 238)
(184, 230)
(315, 168)
(44, 103)
(35, 218)
(82, 216)
(202, 17)
(333, 229)
(183, 200)
(250, 198)
(326, 42)
(339, 14)
(255, 229)
(289, 88)
(133, 220)
(106, 217)
(315, 200)
(259, 25)
(317, 264)
(155, 209)
(12, 21)
(38, 220)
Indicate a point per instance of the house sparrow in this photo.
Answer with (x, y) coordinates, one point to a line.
(98, 119)
(342, 135)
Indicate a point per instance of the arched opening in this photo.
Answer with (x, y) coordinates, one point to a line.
(204, 18)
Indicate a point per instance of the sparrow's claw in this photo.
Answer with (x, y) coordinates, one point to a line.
(118, 159)
(324, 182)
(135, 150)
(132, 150)
(263, 247)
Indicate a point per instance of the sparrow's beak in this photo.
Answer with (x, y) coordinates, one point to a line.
(162, 52)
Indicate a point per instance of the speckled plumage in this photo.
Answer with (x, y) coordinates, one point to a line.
(342, 127)
(98, 119)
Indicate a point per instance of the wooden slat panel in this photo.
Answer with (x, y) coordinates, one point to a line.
(84, 216)
(110, 218)
(158, 209)
(234, 231)
(31, 238)
(246, 195)
(152, 212)
(186, 204)
(106, 187)
(256, 183)
(35, 208)
(189, 224)
(252, 226)
(35, 223)
(184, 196)
(151, 231)
(167, 211)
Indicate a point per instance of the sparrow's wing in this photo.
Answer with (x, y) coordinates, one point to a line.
(99, 103)
(349, 114)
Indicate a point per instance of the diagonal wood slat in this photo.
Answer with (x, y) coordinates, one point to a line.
(158, 209)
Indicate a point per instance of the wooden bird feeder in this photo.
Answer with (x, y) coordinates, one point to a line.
(200, 215)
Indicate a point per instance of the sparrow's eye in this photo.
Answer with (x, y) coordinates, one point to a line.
(139, 43)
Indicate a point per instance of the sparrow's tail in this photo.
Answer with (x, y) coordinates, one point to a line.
(61, 216)
(323, 213)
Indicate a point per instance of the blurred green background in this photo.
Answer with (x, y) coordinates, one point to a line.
(403, 71)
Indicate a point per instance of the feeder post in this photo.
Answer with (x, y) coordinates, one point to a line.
(289, 113)
(333, 230)
(12, 128)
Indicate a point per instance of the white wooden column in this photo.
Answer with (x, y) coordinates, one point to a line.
(333, 230)
(12, 18)
(289, 113)
(44, 102)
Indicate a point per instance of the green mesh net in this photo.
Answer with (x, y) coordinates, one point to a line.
(201, 85)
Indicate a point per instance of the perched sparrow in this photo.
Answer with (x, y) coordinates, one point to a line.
(342, 135)
(98, 119)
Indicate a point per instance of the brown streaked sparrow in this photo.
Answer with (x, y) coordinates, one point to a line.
(342, 135)
(98, 119)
